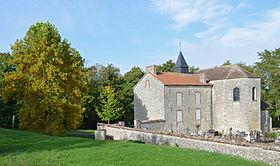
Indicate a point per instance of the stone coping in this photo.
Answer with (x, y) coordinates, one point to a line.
(153, 121)
(267, 146)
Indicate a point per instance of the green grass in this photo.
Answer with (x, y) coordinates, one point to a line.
(86, 131)
(31, 148)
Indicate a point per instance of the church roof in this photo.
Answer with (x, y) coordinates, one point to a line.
(181, 63)
(168, 78)
(226, 72)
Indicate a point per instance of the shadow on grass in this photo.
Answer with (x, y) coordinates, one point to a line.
(17, 141)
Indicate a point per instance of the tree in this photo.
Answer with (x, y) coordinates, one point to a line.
(8, 109)
(99, 76)
(227, 62)
(249, 68)
(109, 75)
(110, 107)
(131, 78)
(168, 66)
(193, 69)
(269, 70)
(48, 80)
(5, 66)
(91, 99)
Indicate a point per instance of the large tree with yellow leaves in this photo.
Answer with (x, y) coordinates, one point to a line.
(48, 80)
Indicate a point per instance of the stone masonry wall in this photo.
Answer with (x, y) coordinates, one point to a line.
(252, 153)
(149, 99)
(266, 121)
(155, 125)
(188, 108)
(243, 115)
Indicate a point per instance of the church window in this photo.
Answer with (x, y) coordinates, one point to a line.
(179, 116)
(147, 84)
(197, 99)
(254, 94)
(179, 99)
(197, 114)
(236, 94)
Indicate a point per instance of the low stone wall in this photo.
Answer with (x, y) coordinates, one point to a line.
(124, 133)
(153, 125)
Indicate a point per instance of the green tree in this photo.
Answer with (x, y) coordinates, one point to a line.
(168, 66)
(109, 75)
(110, 107)
(269, 71)
(227, 62)
(131, 78)
(99, 76)
(48, 80)
(5, 66)
(9, 108)
(193, 69)
(91, 99)
(249, 68)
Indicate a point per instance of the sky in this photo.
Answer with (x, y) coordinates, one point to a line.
(131, 33)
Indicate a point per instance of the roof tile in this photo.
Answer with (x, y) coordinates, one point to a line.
(168, 78)
(226, 72)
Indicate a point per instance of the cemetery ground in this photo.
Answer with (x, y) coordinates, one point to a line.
(18, 147)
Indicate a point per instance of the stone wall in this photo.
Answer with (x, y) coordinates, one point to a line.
(188, 107)
(153, 125)
(149, 99)
(243, 115)
(148, 102)
(266, 121)
(123, 133)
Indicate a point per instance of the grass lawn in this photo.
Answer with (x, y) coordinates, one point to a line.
(31, 148)
(86, 131)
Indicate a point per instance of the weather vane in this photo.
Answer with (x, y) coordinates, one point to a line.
(180, 46)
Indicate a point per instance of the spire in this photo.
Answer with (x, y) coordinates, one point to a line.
(181, 64)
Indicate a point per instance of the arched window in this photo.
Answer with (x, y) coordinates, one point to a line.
(254, 94)
(147, 84)
(236, 94)
(179, 99)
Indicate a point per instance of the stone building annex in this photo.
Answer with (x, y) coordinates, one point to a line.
(220, 98)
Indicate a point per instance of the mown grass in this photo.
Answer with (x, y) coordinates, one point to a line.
(86, 131)
(31, 148)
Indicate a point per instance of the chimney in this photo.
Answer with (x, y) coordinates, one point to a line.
(151, 69)
(202, 78)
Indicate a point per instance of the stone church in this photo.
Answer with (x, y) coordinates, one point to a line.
(221, 98)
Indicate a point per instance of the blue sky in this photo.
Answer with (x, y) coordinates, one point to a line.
(139, 33)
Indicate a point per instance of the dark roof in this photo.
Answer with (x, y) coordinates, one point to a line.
(181, 64)
(168, 78)
(265, 106)
(226, 72)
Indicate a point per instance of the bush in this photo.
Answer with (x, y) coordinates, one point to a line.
(273, 134)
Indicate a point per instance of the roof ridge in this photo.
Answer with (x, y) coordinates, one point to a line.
(230, 71)
(178, 73)
(243, 71)
(227, 72)
(216, 67)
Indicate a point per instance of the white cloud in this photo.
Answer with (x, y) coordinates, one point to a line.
(221, 41)
(185, 12)
(264, 32)
(243, 4)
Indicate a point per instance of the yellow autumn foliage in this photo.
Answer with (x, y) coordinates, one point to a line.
(48, 81)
